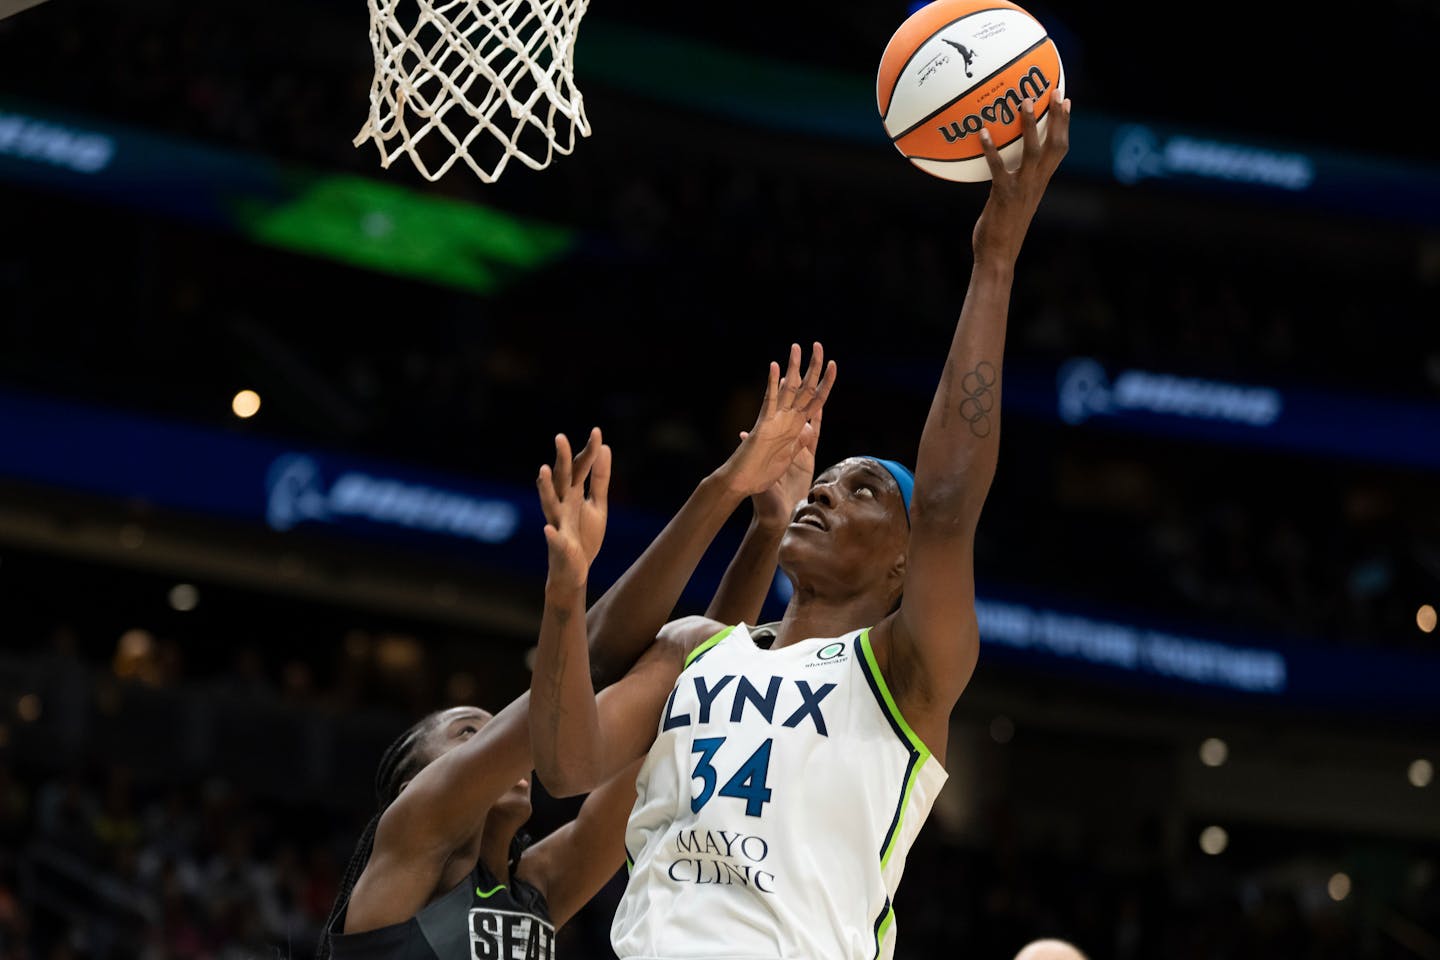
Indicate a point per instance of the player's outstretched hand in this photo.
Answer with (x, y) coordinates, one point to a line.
(776, 503)
(575, 522)
(776, 456)
(1015, 194)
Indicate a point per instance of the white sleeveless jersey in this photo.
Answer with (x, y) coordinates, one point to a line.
(776, 808)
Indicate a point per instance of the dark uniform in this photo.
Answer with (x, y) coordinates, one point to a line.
(481, 919)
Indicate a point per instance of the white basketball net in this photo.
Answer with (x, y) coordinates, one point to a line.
(492, 77)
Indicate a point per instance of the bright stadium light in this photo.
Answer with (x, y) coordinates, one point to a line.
(1425, 618)
(1421, 772)
(245, 404)
(1339, 887)
(135, 644)
(184, 597)
(27, 708)
(1214, 752)
(133, 655)
(1214, 840)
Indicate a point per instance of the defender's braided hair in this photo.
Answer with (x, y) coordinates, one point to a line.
(400, 762)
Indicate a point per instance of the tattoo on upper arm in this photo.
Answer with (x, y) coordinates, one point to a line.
(978, 386)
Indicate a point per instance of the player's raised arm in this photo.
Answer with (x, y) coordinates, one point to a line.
(578, 745)
(747, 580)
(563, 717)
(935, 639)
(628, 617)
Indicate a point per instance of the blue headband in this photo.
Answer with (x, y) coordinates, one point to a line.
(904, 479)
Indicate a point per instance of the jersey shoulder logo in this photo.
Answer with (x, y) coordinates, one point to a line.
(828, 655)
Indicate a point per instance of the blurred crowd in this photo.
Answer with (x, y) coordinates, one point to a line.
(189, 788)
(98, 863)
(224, 73)
(161, 799)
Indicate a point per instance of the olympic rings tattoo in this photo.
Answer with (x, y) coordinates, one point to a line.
(979, 397)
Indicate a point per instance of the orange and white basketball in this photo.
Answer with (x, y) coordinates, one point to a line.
(956, 67)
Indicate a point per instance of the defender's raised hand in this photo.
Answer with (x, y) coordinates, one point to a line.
(575, 522)
(775, 504)
(1015, 194)
(787, 426)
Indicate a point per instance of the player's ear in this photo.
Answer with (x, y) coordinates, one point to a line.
(896, 578)
(897, 569)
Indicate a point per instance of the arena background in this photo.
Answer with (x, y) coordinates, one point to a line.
(1205, 719)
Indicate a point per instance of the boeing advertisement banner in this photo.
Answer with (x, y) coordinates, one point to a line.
(300, 488)
(1088, 394)
(256, 480)
(1083, 391)
(1151, 154)
(252, 479)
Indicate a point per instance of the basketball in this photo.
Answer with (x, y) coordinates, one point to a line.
(956, 67)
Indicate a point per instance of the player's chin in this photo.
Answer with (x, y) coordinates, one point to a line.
(803, 536)
(805, 554)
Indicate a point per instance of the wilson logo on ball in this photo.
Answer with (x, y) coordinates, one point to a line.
(1003, 110)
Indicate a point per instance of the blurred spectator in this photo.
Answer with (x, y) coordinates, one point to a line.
(66, 812)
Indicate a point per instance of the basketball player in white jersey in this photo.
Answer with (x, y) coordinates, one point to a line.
(786, 780)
